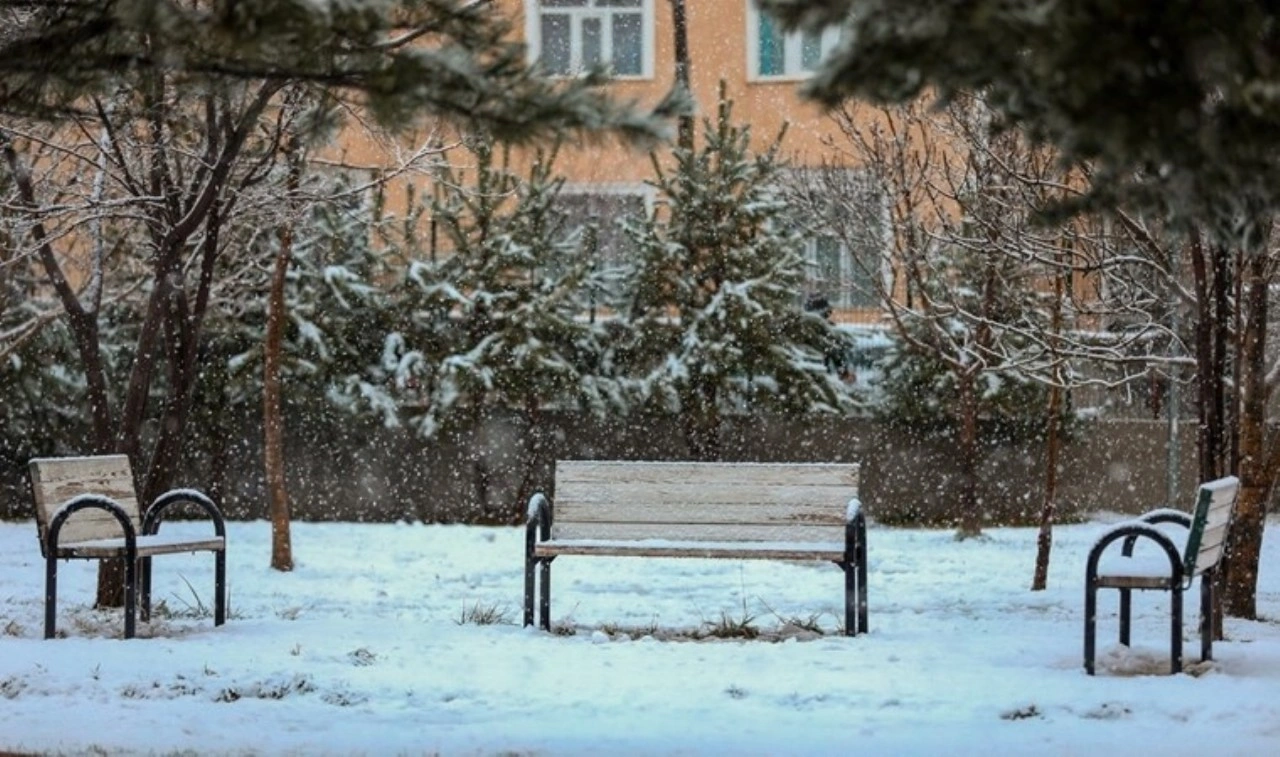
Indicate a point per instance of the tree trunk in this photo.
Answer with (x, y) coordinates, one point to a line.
(683, 72)
(701, 420)
(272, 391)
(531, 460)
(969, 519)
(1245, 543)
(1052, 442)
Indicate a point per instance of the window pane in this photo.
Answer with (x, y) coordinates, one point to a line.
(827, 252)
(555, 44)
(618, 3)
(592, 43)
(606, 211)
(564, 3)
(810, 50)
(628, 46)
(772, 51)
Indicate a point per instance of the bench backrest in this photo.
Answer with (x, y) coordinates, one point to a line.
(678, 501)
(54, 480)
(1207, 539)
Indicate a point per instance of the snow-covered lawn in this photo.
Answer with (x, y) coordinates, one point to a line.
(363, 649)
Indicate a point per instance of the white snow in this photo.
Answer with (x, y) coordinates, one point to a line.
(363, 649)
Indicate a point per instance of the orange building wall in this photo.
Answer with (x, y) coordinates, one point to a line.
(718, 50)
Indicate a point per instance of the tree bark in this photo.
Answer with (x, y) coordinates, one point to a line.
(1245, 542)
(1053, 432)
(683, 70)
(969, 519)
(272, 391)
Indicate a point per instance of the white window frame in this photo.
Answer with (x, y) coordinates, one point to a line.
(591, 9)
(793, 44)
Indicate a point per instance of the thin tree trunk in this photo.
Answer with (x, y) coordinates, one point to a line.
(272, 411)
(1053, 432)
(683, 71)
(969, 519)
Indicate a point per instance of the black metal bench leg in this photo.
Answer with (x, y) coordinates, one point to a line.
(1206, 616)
(1175, 638)
(530, 587)
(544, 604)
(861, 568)
(1126, 603)
(1090, 623)
(144, 580)
(130, 597)
(850, 599)
(50, 594)
(219, 587)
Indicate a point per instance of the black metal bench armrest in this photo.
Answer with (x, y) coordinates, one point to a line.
(86, 502)
(1155, 517)
(1130, 532)
(1167, 515)
(855, 530)
(539, 523)
(155, 513)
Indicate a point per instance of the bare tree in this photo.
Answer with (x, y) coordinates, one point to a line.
(973, 277)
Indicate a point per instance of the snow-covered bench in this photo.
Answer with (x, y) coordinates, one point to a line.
(86, 508)
(1172, 550)
(778, 511)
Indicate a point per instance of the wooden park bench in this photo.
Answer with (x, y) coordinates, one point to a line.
(776, 511)
(1171, 562)
(86, 508)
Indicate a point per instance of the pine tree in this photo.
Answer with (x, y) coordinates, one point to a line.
(716, 318)
(508, 296)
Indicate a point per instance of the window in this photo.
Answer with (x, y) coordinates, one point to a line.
(572, 36)
(773, 53)
(837, 278)
(605, 209)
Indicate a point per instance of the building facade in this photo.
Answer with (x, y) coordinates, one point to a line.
(729, 41)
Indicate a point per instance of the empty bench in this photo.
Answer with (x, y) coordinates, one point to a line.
(1171, 562)
(773, 511)
(86, 509)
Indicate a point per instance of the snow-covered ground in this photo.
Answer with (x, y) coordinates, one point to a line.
(373, 645)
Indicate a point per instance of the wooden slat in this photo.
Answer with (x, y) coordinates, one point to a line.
(697, 492)
(707, 474)
(146, 547)
(1214, 519)
(639, 549)
(696, 532)
(827, 512)
(1212, 545)
(684, 501)
(55, 480)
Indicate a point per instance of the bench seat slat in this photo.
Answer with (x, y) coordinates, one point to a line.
(748, 532)
(656, 511)
(630, 492)
(147, 546)
(669, 548)
(680, 473)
